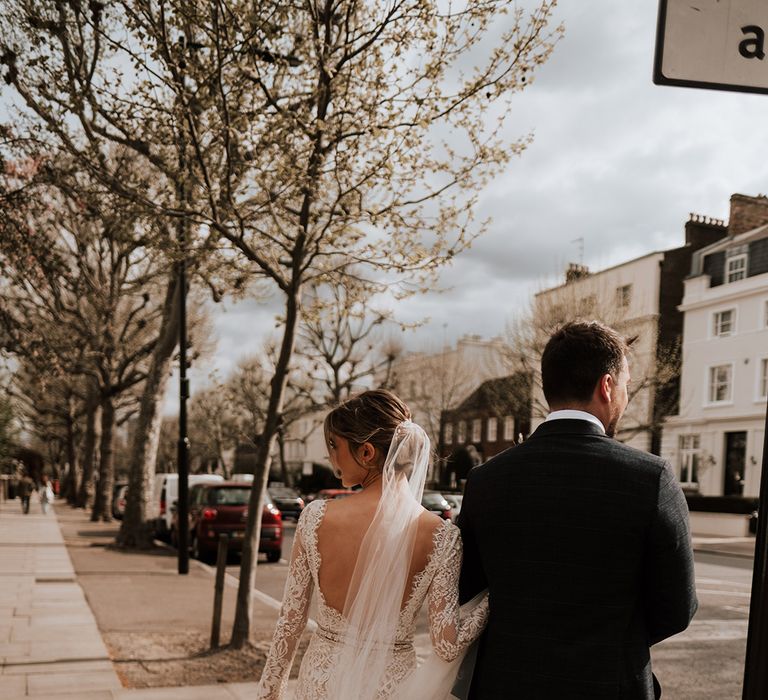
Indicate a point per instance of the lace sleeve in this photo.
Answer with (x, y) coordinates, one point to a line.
(290, 624)
(451, 634)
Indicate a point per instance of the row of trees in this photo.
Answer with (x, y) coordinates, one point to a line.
(302, 147)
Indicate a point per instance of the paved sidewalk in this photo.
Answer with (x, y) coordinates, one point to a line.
(50, 644)
(743, 547)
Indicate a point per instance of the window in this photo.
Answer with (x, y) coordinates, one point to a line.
(689, 455)
(723, 323)
(492, 429)
(720, 383)
(509, 428)
(462, 432)
(736, 268)
(763, 380)
(624, 296)
(587, 305)
(448, 433)
(477, 428)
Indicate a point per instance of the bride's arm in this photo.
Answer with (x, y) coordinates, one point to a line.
(450, 632)
(290, 625)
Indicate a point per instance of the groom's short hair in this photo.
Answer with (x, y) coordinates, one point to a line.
(576, 356)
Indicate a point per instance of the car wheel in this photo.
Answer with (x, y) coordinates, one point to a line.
(273, 557)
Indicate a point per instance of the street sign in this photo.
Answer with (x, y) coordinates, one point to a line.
(716, 44)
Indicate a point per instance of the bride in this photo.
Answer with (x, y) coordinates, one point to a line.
(373, 558)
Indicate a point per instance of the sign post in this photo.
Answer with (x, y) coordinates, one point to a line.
(721, 45)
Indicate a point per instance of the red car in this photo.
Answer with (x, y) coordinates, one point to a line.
(222, 507)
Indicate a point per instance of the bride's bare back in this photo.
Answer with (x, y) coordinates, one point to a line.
(341, 533)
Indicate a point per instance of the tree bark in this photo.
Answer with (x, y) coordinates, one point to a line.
(136, 532)
(86, 489)
(71, 480)
(241, 629)
(102, 506)
(281, 451)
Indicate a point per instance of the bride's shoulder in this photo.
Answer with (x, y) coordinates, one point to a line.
(437, 530)
(312, 513)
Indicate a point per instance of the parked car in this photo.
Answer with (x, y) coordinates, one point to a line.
(434, 501)
(118, 490)
(454, 500)
(287, 501)
(118, 502)
(164, 492)
(217, 508)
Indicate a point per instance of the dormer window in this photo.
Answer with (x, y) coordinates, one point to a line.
(736, 267)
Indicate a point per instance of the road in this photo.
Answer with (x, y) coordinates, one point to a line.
(705, 662)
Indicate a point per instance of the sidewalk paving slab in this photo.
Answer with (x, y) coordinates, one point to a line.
(50, 645)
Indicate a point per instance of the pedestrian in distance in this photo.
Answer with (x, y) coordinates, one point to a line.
(582, 542)
(25, 488)
(46, 493)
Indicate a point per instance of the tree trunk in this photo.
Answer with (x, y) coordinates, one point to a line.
(281, 451)
(136, 531)
(70, 486)
(102, 507)
(241, 629)
(85, 491)
(224, 466)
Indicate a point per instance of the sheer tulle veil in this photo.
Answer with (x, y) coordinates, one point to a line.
(373, 602)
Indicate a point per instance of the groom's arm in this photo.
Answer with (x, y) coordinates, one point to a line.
(670, 589)
(472, 579)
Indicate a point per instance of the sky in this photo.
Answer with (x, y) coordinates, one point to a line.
(616, 161)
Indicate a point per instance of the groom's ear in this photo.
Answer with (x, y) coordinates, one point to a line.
(605, 388)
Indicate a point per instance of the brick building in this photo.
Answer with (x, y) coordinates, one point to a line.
(494, 417)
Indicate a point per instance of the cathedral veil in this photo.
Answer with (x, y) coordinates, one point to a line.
(375, 595)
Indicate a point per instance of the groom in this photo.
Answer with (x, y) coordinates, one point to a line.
(582, 541)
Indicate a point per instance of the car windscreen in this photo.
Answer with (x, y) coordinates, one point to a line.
(283, 493)
(229, 496)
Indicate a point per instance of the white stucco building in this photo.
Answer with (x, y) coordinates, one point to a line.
(638, 298)
(716, 440)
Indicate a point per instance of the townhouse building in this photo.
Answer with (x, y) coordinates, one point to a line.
(639, 298)
(715, 440)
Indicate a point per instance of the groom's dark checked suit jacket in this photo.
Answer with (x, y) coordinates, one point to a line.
(584, 545)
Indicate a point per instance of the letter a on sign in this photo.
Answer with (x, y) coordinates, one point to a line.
(717, 44)
(754, 47)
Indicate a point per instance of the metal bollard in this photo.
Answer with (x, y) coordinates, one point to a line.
(221, 564)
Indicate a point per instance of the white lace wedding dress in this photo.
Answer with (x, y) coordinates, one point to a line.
(438, 581)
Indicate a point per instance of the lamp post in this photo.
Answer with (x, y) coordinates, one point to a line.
(182, 504)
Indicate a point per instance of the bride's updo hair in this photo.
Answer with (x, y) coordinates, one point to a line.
(372, 416)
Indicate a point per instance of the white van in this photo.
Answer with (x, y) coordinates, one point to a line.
(165, 491)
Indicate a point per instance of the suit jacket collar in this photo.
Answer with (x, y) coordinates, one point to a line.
(567, 426)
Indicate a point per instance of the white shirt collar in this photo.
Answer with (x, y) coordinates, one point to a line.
(574, 414)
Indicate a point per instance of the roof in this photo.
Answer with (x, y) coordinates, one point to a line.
(724, 244)
(592, 275)
(506, 395)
